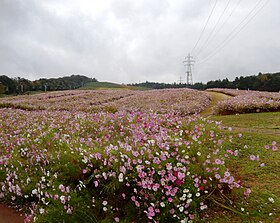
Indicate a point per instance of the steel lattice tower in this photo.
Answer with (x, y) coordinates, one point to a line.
(188, 63)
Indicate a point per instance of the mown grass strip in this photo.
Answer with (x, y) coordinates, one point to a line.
(262, 176)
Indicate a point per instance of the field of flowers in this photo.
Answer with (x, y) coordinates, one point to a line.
(61, 162)
(183, 101)
(247, 101)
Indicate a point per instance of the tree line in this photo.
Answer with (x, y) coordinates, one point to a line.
(260, 82)
(20, 85)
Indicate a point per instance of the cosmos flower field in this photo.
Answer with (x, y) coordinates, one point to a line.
(184, 101)
(244, 101)
(115, 156)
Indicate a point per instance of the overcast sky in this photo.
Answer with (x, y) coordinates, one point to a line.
(129, 41)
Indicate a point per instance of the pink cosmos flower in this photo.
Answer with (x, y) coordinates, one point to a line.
(191, 216)
(61, 188)
(252, 157)
(235, 153)
(133, 198)
(227, 174)
(274, 146)
(218, 161)
(181, 176)
(137, 204)
(67, 189)
(247, 191)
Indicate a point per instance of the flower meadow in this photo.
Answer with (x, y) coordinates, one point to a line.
(67, 165)
(182, 101)
(247, 101)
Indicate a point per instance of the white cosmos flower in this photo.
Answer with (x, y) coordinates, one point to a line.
(121, 177)
(42, 210)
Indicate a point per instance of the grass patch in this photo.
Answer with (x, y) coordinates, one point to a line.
(265, 120)
(101, 85)
(109, 85)
(262, 175)
(215, 98)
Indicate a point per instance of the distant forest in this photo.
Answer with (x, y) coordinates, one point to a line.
(260, 82)
(22, 86)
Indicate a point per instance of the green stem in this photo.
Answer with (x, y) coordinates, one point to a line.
(226, 207)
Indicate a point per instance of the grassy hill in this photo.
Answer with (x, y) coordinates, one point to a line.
(109, 85)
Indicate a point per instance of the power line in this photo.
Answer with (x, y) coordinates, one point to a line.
(225, 21)
(232, 34)
(201, 34)
(213, 30)
(231, 13)
(235, 31)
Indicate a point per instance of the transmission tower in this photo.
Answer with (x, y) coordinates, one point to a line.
(188, 63)
(180, 80)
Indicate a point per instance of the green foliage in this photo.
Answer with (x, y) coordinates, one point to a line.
(23, 86)
(154, 85)
(10, 85)
(261, 82)
(101, 85)
(62, 83)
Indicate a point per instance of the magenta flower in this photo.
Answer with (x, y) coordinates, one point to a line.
(179, 182)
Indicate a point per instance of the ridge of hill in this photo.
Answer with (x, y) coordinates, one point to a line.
(109, 85)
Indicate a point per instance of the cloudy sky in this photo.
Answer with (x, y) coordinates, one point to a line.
(129, 41)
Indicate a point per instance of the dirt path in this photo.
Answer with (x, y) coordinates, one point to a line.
(9, 215)
(216, 97)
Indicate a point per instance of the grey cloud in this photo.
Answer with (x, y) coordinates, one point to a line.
(131, 41)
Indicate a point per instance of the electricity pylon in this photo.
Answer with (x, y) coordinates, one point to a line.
(180, 80)
(188, 63)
